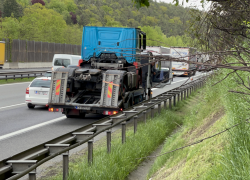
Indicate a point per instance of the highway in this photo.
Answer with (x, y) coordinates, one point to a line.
(22, 128)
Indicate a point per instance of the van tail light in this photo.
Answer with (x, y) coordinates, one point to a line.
(27, 90)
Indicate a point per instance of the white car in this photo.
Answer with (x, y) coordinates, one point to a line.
(37, 93)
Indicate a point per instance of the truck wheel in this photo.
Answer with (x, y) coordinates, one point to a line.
(30, 106)
(82, 115)
(69, 116)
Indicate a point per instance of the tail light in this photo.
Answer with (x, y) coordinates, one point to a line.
(54, 109)
(27, 90)
(109, 112)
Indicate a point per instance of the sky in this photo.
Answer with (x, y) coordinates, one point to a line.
(191, 3)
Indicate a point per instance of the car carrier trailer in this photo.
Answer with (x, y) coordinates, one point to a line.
(114, 74)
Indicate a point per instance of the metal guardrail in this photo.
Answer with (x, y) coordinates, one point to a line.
(20, 74)
(27, 162)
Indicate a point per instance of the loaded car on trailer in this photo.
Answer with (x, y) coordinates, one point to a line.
(162, 69)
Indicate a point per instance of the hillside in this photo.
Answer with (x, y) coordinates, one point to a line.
(65, 19)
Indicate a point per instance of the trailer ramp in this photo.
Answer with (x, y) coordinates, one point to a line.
(58, 88)
(110, 87)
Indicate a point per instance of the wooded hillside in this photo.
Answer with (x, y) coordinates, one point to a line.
(61, 21)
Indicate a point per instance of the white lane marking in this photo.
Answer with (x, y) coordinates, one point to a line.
(12, 106)
(14, 83)
(31, 128)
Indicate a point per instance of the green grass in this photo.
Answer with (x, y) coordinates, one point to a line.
(235, 160)
(18, 80)
(192, 162)
(223, 157)
(124, 158)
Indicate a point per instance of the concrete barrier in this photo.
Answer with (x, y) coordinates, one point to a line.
(16, 65)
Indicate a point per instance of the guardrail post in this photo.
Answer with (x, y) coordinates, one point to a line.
(14, 77)
(28, 76)
(185, 94)
(159, 108)
(152, 112)
(165, 104)
(135, 124)
(21, 76)
(108, 141)
(170, 103)
(65, 165)
(123, 132)
(181, 95)
(178, 95)
(90, 152)
(174, 103)
(145, 116)
(32, 176)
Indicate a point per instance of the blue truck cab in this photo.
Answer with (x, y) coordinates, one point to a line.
(116, 43)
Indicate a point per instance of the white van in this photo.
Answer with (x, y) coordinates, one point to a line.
(63, 60)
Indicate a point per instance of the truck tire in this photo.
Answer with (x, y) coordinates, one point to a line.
(82, 115)
(30, 106)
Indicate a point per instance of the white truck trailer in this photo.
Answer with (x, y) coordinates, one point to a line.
(184, 53)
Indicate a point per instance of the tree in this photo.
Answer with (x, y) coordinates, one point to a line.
(12, 7)
(42, 24)
(38, 1)
(73, 18)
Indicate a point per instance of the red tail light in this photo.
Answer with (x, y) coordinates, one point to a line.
(27, 90)
(54, 109)
(109, 112)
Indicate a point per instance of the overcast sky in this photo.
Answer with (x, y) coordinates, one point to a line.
(191, 3)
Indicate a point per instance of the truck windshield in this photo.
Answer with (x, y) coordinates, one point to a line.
(62, 62)
(41, 83)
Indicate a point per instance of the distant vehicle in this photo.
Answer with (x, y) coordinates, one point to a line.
(184, 53)
(162, 69)
(37, 93)
(2, 53)
(73, 66)
(63, 60)
(48, 74)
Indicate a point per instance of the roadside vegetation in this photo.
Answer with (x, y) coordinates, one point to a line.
(124, 158)
(222, 157)
(3, 81)
(25, 20)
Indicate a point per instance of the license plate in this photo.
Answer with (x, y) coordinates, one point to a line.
(83, 108)
(41, 92)
(178, 73)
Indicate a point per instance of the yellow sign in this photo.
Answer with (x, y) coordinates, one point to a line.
(2, 53)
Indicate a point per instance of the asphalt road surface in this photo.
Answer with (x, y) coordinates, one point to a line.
(22, 128)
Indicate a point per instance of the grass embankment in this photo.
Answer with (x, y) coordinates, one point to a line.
(18, 80)
(205, 118)
(124, 158)
(225, 156)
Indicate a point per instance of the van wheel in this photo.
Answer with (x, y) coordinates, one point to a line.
(69, 116)
(30, 106)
